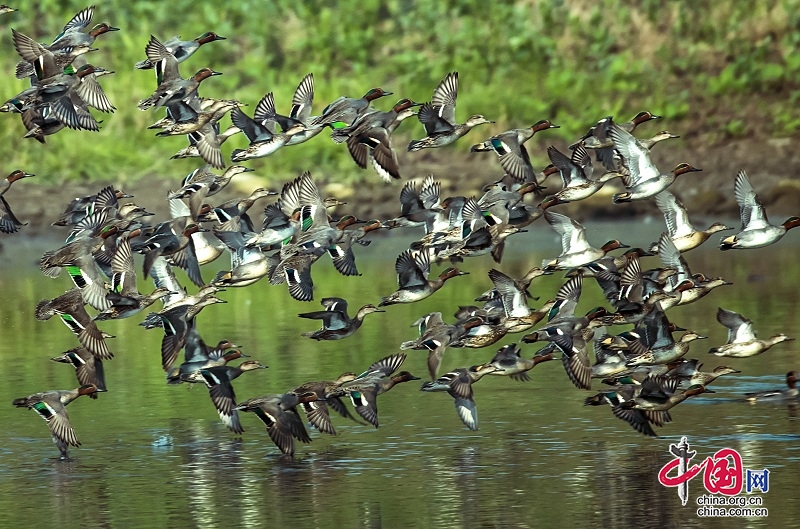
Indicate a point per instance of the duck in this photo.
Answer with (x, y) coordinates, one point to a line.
(510, 363)
(341, 249)
(638, 419)
(610, 357)
(176, 321)
(52, 407)
(88, 368)
(575, 353)
(485, 239)
(376, 119)
(412, 269)
(198, 141)
(124, 296)
(320, 237)
(317, 410)
(658, 137)
(481, 335)
(248, 264)
(672, 259)
(575, 249)
(458, 384)
(8, 221)
(666, 353)
(278, 412)
(684, 235)
(757, 231)
(777, 395)
(71, 38)
(511, 151)
(597, 137)
(263, 142)
(523, 215)
(39, 122)
(689, 373)
(299, 207)
(67, 90)
(566, 300)
(653, 331)
(701, 287)
(206, 142)
(513, 296)
(173, 87)
(174, 241)
(379, 378)
(202, 183)
(576, 174)
(164, 277)
(295, 271)
(69, 306)
(302, 101)
(439, 117)
(369, 139)
(181, 49)
(345, 110)
(650, 402)
(418, 206)
(195, 114)
(742, 341)
(73, 35)
(636, 298)
(437, 336)
(218, 380)
(336, 323)
(644, 179)
(220, 355)
(517, 286)
(80, 207)
(238, 207)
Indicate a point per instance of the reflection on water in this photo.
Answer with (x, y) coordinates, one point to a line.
(157, 456)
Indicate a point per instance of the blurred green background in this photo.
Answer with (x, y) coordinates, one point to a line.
(720, 70)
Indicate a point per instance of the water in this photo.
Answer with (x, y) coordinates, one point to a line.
(155, 455)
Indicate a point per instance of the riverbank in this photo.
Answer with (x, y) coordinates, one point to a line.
(772, 165)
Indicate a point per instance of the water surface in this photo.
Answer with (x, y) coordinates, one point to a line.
(155, 455)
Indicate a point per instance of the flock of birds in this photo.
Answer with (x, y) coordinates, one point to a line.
(646, 369)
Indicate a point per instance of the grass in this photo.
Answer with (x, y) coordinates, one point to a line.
(572, 62)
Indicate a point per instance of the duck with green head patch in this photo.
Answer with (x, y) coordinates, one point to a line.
(181, 49)
(413, 268)
(52, 407)
(439, 117)
(345, 110)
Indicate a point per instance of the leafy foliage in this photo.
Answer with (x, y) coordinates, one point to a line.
(519, 62)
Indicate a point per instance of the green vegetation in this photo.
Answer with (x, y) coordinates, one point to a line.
(727, 68)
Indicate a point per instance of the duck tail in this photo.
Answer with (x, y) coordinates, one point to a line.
(416, 145)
